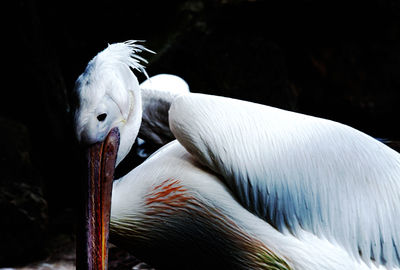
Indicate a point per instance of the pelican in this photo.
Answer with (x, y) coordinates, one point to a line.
(244, 186)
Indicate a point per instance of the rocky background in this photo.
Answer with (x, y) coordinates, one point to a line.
(335, 60)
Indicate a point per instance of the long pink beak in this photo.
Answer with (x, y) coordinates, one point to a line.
(92, 250)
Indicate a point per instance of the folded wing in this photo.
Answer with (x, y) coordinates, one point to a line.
(298, 171)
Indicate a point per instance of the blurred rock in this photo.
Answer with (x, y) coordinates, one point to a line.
(37, 98)
(119, 259)
(22, 206)
(62, 257)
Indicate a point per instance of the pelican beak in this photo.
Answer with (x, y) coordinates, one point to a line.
(101, 157)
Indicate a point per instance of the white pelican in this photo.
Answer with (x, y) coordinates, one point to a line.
(244, 186)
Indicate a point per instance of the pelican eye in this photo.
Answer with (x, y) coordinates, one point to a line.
(101, 117)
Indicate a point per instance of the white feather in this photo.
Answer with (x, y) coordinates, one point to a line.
(166, 83)
(125, 53)
(158, 92)
(305, 251)
(299, 172)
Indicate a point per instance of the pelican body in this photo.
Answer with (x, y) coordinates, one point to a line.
(244, 186)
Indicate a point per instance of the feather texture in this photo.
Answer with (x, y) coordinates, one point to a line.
(299, 172)
(190, 221)
(109, 87)
(157, 93)
(125, 53)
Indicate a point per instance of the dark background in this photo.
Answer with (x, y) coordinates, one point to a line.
(325, 58)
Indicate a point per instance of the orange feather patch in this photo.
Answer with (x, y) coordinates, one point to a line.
(167, 195)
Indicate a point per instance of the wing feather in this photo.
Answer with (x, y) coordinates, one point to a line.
(158, 92)
(298, 171)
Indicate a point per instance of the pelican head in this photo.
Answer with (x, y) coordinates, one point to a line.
(108, 96)
(107, 118)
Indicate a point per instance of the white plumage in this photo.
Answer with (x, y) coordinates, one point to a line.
(298, 171)
(249, 185)
(157, 94)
